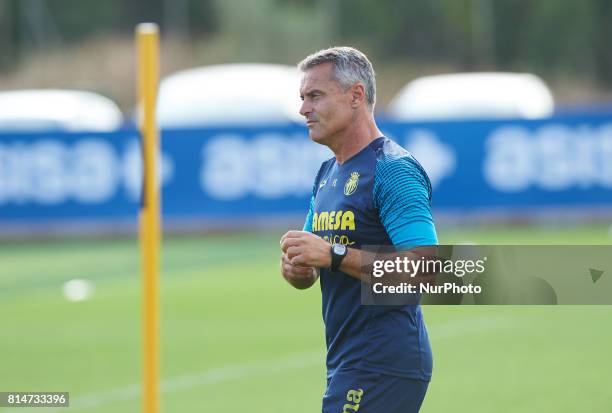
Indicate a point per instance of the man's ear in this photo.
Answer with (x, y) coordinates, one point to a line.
(358, 95)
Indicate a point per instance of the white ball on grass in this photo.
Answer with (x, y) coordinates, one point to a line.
(78, 290)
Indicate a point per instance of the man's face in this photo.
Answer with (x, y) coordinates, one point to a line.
(326, 107)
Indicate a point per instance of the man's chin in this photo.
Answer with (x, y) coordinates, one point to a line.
(316, 137)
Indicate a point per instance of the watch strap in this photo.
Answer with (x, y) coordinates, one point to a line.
(336, 259)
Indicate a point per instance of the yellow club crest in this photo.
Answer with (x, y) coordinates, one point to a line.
(351, 184)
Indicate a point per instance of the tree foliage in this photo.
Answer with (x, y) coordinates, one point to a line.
(547, 36)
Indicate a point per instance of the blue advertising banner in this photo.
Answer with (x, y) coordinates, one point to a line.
(240, 174)
(522, 165)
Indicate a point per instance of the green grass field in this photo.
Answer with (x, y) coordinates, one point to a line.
(237, 338)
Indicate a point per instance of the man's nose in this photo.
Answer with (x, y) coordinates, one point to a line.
(305, 109)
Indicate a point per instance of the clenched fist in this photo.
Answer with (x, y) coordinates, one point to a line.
(306, 249)
(298, 276)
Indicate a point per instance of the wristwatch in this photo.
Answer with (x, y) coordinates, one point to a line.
(338, 252)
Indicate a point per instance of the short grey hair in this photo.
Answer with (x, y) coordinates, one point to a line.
(350, 66)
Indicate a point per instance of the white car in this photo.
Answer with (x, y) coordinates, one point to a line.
(54, 109)
(473, 96)
(230, 95)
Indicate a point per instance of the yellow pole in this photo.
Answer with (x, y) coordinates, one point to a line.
(150, 227)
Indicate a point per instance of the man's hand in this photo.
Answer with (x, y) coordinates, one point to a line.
(306, 249)
(298, 276)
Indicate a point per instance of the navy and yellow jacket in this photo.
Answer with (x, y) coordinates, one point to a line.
(380, 196)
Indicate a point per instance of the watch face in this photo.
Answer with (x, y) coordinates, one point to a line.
(339, 249)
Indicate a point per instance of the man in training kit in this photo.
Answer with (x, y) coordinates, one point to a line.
(372, 192)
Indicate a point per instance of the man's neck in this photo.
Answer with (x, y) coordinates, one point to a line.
(354, 139)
